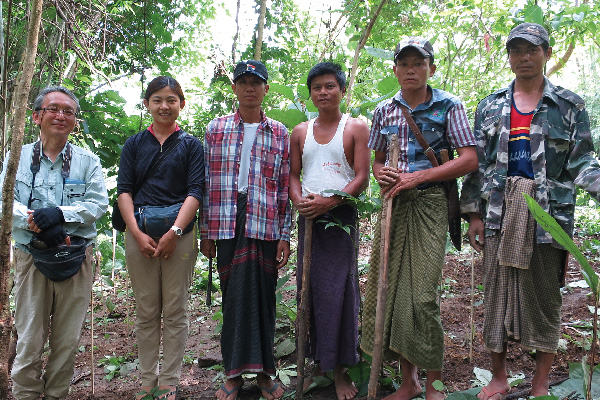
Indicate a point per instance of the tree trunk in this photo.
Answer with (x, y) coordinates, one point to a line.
(237, 31)
(363, 40)
(3, 90)
(562, 61)
(332, 33)
(20, 107)
(261, 28)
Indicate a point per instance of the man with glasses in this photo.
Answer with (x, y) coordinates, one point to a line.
(56, 202)
(532, 137)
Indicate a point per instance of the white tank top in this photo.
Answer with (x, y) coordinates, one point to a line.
(324, 166)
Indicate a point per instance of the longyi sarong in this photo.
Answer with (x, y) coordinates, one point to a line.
(334, 296)
(248, 273)
(521, 304)
(413, 327)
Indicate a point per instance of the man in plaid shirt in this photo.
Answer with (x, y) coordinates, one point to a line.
(247, 218)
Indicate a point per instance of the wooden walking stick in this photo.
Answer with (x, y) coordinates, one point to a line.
(386, 218)
(472, 322)
(209, 284)
(302, 317)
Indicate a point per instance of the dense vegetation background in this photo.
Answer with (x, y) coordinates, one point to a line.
(107, 50)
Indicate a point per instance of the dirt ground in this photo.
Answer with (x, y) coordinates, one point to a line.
(114, 336)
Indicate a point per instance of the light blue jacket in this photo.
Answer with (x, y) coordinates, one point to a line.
(83, 198)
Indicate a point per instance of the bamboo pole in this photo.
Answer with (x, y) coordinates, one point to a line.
(386, 217)
(302, 317)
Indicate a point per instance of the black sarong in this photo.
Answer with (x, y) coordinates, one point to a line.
(248, 273)
(334, 297)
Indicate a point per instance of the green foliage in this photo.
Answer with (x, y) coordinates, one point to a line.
(578, 374)
(285, 373)
(153, 393)
(112, 366)
(286, 309)
(366, 205)
(549, 224)
(360, 373)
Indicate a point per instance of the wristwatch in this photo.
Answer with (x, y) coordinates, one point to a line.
(177, 230)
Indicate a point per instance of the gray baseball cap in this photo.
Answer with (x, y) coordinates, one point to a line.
(420, 43)
(533, 33)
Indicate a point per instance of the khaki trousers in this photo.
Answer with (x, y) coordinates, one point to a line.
(161, 287)
(42, 305)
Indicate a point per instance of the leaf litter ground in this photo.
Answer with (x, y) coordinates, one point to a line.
(201, 376)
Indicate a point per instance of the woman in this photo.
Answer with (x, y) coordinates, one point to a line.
(161, 166)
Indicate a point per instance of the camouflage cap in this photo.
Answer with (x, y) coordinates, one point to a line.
(420, 43)
(533, 33)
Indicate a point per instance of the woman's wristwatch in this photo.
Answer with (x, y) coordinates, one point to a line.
(177, 230)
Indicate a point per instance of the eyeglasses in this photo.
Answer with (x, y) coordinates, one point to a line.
(53, 111)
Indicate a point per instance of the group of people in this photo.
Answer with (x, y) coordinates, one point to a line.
(531, 137)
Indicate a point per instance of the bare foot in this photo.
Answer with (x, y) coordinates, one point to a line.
(406, 391)
(344, 387)
(432, 394)
(538, 389)
(495, 390)
(229, 389)
(268, 389)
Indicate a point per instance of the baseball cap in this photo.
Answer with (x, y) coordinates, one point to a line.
(250, 67)
(418, 42)
(533, 33)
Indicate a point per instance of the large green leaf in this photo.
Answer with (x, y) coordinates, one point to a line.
(283, 90)
(549, 224)
(534, 13)
(290, 118)
(388, 85)
(380, 53)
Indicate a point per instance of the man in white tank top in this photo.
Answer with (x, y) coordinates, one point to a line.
(331, 153)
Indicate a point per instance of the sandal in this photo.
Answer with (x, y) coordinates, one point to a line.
(234, 389)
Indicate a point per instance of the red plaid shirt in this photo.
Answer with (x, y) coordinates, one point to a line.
(268, 213)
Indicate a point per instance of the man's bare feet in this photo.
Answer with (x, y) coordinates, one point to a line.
(229, 389)
(539, 387)
(268, 389)
(407, 390)
(344, 387)
(495, 390)
(433, 394)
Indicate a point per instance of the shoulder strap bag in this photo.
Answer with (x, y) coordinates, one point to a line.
(450, 187)
(117, 219)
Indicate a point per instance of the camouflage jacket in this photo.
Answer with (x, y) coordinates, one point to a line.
(562, 156)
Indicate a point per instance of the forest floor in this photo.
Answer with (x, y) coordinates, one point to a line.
(114, 340)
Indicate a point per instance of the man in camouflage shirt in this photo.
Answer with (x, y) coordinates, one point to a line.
(532, 137)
